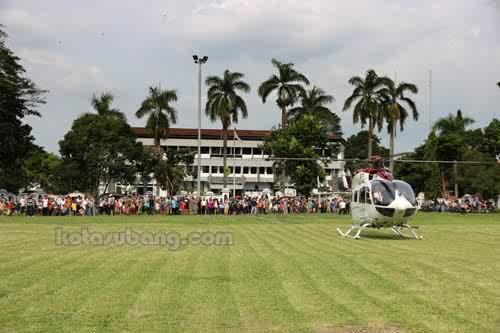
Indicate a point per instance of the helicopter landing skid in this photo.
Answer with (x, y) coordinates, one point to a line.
(355, 228)
(399, 231)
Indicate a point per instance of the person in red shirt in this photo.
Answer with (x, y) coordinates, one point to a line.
(10, 207)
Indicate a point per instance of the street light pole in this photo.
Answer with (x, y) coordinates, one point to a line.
(199, 61)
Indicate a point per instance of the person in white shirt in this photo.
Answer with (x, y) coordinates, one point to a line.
(342, 206)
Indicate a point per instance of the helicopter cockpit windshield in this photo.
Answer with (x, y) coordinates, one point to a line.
(384, 192)
(406, 191)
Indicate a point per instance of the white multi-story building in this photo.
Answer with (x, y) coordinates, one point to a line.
(252, 171)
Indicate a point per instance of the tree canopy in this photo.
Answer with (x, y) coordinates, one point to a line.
(19, 97)
(100, 149)
(305, 137)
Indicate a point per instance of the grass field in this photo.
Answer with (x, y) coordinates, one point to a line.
(283, 274)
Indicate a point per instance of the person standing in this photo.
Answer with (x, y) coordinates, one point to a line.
(342, 207)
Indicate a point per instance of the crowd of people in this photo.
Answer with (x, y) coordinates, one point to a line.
(82, 205)
(465, 204)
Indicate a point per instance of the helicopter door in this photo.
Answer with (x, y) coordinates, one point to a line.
(363, 212)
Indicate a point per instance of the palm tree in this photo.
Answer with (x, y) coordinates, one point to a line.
(313, 103)
(394, 109)
(102, 105)
(224, 103)
(161, 113)
(450, 131)
(452, 124)
(287, 84)
(369, 96)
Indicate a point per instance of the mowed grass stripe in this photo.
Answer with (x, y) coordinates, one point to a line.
(308, 296)
(39, 282)
(208, 303)
(262, 301)
(335, 280)
(395, 289)
(382, 293)
(78, 287)
(108, 308)
(417, 254)
(160, 305)
(411, 250)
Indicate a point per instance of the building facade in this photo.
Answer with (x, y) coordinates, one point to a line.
(248, 168)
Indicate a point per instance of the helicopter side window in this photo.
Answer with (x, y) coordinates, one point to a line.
(355, 196)
(368, 199)
(362, 195)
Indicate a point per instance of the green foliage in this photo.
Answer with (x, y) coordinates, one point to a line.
(102, 105)
(491, 142)
(99, 149)
(479, 178)
(42, 168)
(287, 85)
(357, 148)
(452, 141)
(313, 102)
(161, 113)
(168, 167)
(19, 97)
(305, 137)
(431, 170)
(368, 99)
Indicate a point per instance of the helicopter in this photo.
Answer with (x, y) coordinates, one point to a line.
(380, 201)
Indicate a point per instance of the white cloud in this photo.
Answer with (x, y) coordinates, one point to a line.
(124, 47)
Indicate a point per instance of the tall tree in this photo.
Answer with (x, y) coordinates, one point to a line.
(224, 104)
(287, 84)
(161, 113)
(451, 135)
(368, 98)
(19, 97)
(102, 105)
(305, 137)
(395, 109)
(314, 102)
(98, 150)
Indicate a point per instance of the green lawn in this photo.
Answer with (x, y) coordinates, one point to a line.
(283, 274)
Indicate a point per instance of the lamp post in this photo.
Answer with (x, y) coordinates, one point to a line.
(199, 61)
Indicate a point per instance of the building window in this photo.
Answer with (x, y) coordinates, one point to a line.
(216, 150)
(221, 169)
(238, 170)
(253, 170)
(269, 170)
(230, 169)
(247, 151)
(214, 169)
(257, 151)
(205, 169)
(245, 170)
(262, 170)
(205, 150)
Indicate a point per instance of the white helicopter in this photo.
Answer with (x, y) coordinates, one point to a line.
(380, 201)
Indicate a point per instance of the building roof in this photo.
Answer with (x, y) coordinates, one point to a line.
(210, 133)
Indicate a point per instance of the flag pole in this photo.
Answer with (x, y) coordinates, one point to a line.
(234, 161)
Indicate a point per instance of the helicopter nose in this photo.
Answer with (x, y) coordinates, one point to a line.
(400, 205)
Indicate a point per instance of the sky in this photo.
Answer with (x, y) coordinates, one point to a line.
(123, 47)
